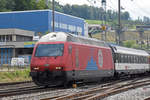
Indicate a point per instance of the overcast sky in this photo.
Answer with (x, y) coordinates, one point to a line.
(134, 7)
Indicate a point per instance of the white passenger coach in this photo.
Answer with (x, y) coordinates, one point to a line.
(130, 61)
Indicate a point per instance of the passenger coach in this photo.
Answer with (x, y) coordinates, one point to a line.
(130, 61)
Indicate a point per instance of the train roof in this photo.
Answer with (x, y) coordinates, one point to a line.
(130, 51)
(62, 36)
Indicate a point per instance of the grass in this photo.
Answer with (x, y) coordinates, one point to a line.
(15, 76)
(99, 22)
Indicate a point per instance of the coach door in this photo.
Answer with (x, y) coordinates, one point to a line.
(117, 58)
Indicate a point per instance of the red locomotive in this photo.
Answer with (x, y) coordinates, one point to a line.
(60, 58)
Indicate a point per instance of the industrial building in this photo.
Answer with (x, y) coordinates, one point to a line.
(18, 31)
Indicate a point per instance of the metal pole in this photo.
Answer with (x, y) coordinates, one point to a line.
(104, 19)
(105, 24)
(119, 23)
(147, 41)
(53, 14)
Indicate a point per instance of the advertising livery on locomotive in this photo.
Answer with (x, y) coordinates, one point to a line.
(60, 58)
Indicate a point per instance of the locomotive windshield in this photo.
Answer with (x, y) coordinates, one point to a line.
(47, 50)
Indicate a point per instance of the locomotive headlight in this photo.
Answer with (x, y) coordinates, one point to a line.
(36, 68)
(58, 68)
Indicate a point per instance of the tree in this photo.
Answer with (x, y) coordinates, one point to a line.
(41, 4)
(125, 16)
(3, 5)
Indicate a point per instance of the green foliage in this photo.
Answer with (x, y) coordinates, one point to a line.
(40, 5)
(83, 11)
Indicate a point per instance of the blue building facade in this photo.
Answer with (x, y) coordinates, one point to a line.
(40, 21)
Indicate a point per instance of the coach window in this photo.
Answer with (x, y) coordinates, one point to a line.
(146, 60)
(140, 59)
(123, 60)
(119, 58)
(132, 59)
(143, 60)
(136, 59)
(116, 56)
(128, 58)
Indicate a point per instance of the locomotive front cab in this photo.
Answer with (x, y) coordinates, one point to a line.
(48, 62)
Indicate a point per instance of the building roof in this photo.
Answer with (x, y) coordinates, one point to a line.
(39, 11)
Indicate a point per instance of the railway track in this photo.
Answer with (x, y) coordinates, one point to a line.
(98, 93)
(24, 90)
(6, 92)
(86, 92)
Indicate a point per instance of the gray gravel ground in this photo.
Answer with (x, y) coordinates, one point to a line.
(134, 94)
